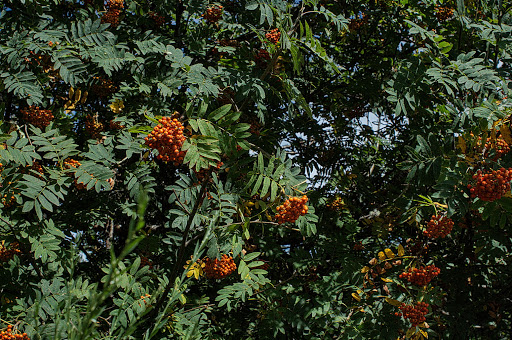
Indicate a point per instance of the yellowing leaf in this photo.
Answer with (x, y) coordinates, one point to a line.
(401, 250)
(385, 279)
(393, 302)
(365, 269)
(382, 256)
(78, 94)
(84, 97)
(356, 297)
(425, 334)
(389, 253)
(117, 106)
(505, 134)
(410, 332)
(461, 144)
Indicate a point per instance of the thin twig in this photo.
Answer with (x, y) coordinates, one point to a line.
(181, 251)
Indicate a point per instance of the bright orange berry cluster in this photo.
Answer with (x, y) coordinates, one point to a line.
(213, 14)
(499, 145)
(157, 18)
(7, 253)
(70, 163)
(167, 137)
(415, 314)
(438, 226)
(444, 13)
(292, 209)
(218, 269)
(421, 276)
(93, 126)
(37, 117)
(492, 185)
(144, 297)
(9, 335)
(262, 57)
(273, 36)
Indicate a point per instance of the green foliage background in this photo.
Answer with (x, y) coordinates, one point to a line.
(370, 108)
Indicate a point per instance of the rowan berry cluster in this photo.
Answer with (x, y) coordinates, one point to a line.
(416, 248)
(144, 297)
(438, 226)
(262, 57)
(218, 269)
(157, 18)
(114, 8)
(80, 186)
(37, 117)
(201, 174)
(229, 42)
(115, 125)
(264, 266)
(421, 276)
(337, 204)
(103, 87)
(7, 253)
(213, 14)
(167, 137)
(273, 36)
(356, 24)
(499, 145)
(8, 200)
(492, 185)
(9, 335)
(415, 314)
(37, 168)
(255, 127)
(145, 261)
(358, 246)
(292, 209)
(444, 13)
(111, 17)
(93, 126)
(115, 4)
(70, 163)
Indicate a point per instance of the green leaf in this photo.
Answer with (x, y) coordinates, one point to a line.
(219, 113)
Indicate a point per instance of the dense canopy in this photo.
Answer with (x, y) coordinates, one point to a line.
(271, 169)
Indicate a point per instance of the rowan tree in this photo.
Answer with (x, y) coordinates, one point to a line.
(266, 169)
